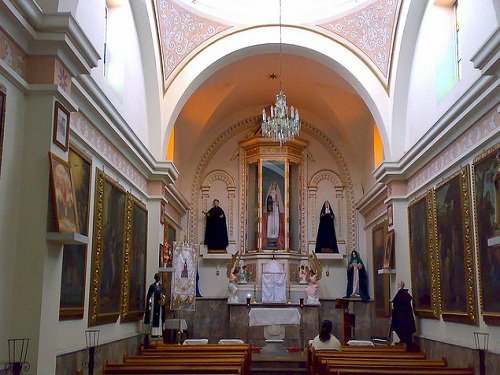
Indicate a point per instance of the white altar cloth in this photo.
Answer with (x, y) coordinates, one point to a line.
(178, 324)
(263, 316)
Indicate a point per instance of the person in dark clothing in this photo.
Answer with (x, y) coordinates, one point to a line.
(326, 240)
(216, 228)
(403, 322)
(155, 307)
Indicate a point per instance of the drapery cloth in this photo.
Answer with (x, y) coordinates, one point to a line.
(265, 316)
(184, 262)
(273, 283)
(177, 324)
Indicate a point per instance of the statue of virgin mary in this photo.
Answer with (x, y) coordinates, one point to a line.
(273, 219)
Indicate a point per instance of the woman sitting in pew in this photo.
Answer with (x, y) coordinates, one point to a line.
(325, 340)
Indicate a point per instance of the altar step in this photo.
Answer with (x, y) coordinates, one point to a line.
(290, 363)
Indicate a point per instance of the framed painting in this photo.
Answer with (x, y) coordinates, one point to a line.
(3, 99)
(107, 251)
(162, 212)
(61, 126)
(169, 236)
(72, 298)
(273, 209)
(390, 214)
(423, 262)
(455, 249)
(389, 250)
(134, 260)
(486, 180)
(381, 282)
(63, 195)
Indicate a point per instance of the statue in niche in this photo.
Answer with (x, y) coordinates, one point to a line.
(315, 273)
(326, 240)
(357, 279)
(243, 275)
(274, 219)
(232, 273)
(216, 229)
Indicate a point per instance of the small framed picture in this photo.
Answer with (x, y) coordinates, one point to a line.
(389, 250)
(389, 215)
(61, 126)
(63, 195)
(162, 212)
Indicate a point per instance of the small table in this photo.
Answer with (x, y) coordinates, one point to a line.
(178, 325)
(269, 317)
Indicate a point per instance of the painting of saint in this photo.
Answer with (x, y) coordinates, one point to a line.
(381, 282)
(486, 171)
(455, 248)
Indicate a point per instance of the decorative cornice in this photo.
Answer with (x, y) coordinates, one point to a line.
(372, 197)
(477, 101)
(487, 58)
(55, 34)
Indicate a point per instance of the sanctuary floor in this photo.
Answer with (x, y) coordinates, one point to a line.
(286, 363)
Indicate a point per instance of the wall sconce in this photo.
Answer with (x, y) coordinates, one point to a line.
(481, 340)
(18, 350)
(91, 342)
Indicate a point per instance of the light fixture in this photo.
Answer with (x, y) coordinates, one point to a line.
(280, 125)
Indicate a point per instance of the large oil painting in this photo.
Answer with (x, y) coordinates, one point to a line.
(486, 172)
(455, 249)
(74, 256)
(134, 260)
(381, 282)
(107, 250)
(423, 263)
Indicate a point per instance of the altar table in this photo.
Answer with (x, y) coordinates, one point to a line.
(265, 316)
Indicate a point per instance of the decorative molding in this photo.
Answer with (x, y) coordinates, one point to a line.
(379, 210)
(487, 58)
(180, 32)
(12, 54)
(371, 29)
(487, 126)
(89, 133)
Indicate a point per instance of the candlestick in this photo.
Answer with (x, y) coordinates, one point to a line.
(289, 294)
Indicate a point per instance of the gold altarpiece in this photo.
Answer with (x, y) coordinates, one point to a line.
(272, 205)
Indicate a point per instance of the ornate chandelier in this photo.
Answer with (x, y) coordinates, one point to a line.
(281, 125)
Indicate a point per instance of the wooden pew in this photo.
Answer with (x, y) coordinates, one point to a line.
(198, 350)
(133, 369)
(406, 371)
(329, 366)
(318, 356)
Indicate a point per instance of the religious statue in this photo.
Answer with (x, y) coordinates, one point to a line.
(315, 274)
(243, 275)
(326, 240)
(155, 305)
(303, 271)
(216, 229)
(232, 273)
(274, 219)
(403, 322)
(357, 279)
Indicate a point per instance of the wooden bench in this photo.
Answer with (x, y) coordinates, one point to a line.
(329, 366)
(406, 371)
(132, 369)
(317, 356)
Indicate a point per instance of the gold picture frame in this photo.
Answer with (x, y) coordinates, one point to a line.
(134, 260)
(456, 269)
(381, 283)
(424, 263)
(63, 195)
(485, 169)
(107, 250)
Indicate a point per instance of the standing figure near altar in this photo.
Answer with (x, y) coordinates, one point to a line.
(155, 306)
(232, 286)
(326, 240)
(216, 228)
(312, 289)
(274, 218)
(357, 279)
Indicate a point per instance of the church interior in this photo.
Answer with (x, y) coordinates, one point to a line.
(276, 164)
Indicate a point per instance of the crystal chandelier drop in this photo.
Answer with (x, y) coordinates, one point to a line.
(281, 125)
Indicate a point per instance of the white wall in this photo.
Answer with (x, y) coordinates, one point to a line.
(477, 23)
